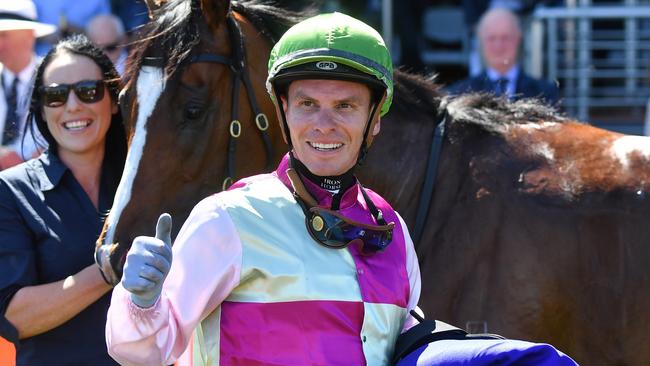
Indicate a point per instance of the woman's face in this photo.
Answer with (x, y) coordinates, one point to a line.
(78, 127)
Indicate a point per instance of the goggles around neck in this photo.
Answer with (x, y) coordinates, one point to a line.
(333, 230)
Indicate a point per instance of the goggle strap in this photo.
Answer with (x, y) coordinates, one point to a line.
(374, 211)
(299, 188)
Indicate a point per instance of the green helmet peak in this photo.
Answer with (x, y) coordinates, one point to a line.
(332, 46)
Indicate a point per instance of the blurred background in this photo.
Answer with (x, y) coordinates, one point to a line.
(597, 52)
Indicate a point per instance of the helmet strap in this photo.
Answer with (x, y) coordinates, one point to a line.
(284, 126)
(368, 137)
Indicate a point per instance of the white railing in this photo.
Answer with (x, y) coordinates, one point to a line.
(600, 55)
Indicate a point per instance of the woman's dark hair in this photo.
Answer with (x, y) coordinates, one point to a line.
(115, 153)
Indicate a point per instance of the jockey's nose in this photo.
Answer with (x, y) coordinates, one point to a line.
(325, 119)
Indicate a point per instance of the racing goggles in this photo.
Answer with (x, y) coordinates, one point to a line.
(87, 91)
(333, 230)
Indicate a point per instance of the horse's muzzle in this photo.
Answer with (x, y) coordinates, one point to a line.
(109, 263)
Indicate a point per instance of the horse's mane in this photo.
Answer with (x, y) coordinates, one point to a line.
(414, 94)
(419, 95)
(495, 114)
(176, 28)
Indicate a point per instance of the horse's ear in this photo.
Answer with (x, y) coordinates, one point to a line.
(153, 5)
(215, 11)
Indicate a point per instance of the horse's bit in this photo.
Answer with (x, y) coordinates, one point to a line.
(237, 65)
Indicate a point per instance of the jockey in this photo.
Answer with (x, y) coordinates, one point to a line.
(302, 266)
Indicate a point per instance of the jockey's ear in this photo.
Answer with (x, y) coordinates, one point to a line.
(284, 102)
(377, 127)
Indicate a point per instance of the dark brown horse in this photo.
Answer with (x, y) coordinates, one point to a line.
(536, 229)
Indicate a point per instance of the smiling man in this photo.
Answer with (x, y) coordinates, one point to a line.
(300, 266)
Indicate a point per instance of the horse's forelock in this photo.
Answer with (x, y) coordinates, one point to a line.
(174, 29)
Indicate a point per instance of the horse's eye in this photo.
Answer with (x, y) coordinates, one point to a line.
(193, 112)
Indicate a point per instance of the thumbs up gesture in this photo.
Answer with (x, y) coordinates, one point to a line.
(147, 264)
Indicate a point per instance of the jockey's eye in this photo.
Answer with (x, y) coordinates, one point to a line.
(344, 106)
(306, 103)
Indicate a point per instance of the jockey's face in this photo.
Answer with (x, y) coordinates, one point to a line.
(326, 120)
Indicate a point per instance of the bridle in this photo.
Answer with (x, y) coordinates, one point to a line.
(426, 194)
(237, 64)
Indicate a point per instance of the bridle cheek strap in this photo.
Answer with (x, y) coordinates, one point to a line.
(237, 64)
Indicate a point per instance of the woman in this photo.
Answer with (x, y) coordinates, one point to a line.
(52, 294)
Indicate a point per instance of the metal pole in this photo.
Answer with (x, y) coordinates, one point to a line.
(387, 22)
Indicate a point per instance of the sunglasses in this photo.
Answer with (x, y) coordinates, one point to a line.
(87, 91)
(333, 230)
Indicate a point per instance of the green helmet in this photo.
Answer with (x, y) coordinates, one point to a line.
(332, 46)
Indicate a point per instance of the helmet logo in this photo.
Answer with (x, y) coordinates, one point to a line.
(326, 65)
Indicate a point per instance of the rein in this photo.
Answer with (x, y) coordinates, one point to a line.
(429, 179)
(237, 64)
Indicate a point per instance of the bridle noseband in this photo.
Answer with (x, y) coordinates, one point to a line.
(237, 64)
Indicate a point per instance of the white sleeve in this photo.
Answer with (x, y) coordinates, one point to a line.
(206, 266)
(413, 270)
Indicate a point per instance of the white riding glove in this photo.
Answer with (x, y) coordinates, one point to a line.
(147, 264)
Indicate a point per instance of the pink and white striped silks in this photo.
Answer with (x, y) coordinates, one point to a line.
(249, 286)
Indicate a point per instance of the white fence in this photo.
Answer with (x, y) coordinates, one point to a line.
(600, 55)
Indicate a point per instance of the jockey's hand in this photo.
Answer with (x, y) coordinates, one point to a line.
(147, 264)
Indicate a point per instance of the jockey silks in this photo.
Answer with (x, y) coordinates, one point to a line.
(256, 289)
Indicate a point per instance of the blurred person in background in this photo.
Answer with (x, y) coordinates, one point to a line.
(500, 35)
(18, 33)
(132, 13)
(70, 16)
(106, 31)
(474, 9)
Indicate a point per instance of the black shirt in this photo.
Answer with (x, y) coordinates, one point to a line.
(48, 229)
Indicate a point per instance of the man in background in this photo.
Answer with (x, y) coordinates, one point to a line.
(107, 32)
(70, 16)
(18, 33)
(500, 37)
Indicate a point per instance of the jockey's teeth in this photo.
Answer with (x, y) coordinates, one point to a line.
(318, 146)
(76, 125)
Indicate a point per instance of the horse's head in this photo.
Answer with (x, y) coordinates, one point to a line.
(196, 113)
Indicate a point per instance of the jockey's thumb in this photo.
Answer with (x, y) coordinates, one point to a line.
(164, 229)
